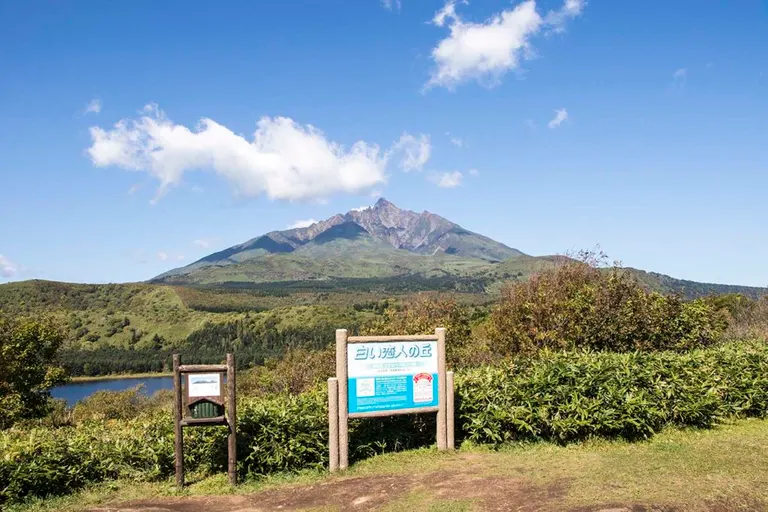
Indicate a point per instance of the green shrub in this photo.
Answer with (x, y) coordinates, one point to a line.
(286, 433)
(747, 318)
(27, 352)
(580, 305)
(421, 314)
(297, 371)
(120, 405)
(44, 462)
(572, 396)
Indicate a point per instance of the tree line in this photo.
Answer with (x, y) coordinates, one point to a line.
(252, 341)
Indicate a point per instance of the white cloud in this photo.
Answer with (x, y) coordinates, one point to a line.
(561, 115)
(92, 107)
(447, 12)
(285, 160)
(375, 194)
(456, 141)
(474, 172)
(162, 256)
(361, 208)
(486, 51)
(204, 243)
(302, 224)
(391, 4)
(179, 257)
(557, 19)
(7, 267)
(414, 151)
(447, 179)
(679, 77)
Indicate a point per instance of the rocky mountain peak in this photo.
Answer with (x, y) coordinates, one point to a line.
(402, 229)
(423, 233)
(383, 203)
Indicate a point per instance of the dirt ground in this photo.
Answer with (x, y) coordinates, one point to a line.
(468, 489)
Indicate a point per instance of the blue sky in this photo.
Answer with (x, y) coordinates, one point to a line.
(549, 126)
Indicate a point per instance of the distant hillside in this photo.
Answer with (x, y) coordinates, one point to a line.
(134, 327)
(377, 242)
(694, 289)
(130, 315)
(523, 266)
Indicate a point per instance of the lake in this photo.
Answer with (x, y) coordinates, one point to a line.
(76, 391)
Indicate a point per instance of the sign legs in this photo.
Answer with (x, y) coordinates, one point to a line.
(333, 424)
(231, 420)
(449, 423)
(178, 446)
(442, 438)
(341, 375)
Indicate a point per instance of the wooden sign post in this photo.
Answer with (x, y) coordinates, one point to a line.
(387, 375)
(199, 400)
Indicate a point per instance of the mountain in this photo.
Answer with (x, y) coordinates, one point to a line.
(379, 241)
(385, 249)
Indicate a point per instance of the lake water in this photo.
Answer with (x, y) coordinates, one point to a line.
(75, 391)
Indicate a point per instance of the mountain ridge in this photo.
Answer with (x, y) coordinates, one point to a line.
(382, 225)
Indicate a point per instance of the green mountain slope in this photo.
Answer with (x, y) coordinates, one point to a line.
(377, 242)
(362, 257)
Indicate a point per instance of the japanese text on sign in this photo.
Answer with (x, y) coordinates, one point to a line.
(413, 351)
(398, 358)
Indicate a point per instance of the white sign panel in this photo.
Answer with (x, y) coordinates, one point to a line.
(204, 384)
(384, 376)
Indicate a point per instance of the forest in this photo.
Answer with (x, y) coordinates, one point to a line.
(134, 328)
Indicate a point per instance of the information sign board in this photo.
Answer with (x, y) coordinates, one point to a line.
(378, 376)
(392, 376)
(199, 399)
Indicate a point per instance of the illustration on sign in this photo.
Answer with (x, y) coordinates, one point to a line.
(422, 388)
(204, 384)
(392, 376)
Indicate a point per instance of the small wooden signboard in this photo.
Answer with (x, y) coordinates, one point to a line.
(387, 375)
(200, 399)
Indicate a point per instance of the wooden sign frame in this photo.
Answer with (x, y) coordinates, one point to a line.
(182, 414)
(338, 398)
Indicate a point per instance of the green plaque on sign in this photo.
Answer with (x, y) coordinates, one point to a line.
(206, 409)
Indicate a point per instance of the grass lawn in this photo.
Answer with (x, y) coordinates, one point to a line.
(692, 470)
